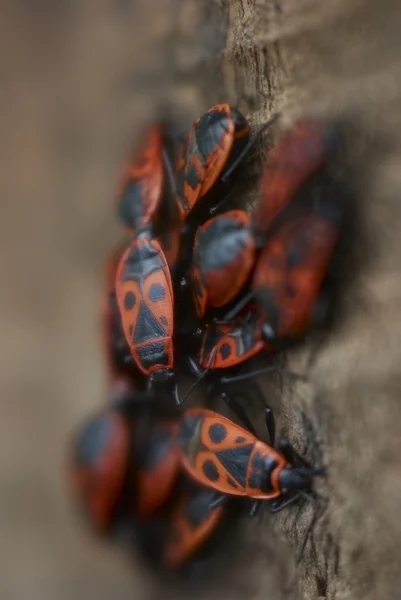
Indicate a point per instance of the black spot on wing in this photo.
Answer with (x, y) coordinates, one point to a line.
(225, 351)
(157, 292)
(129, 300)
(210, 470)
(217, 433)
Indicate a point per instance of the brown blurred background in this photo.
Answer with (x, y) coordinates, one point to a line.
(78, 80)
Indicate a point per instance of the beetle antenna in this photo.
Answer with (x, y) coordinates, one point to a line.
(176, 395)
(230, 316)
(218, 206)
(248, 147)
(201, 376)
(169, 171)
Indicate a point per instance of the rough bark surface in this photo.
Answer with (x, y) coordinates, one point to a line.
(78, 82)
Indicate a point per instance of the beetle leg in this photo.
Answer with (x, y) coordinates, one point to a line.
(292, 456)
(177, 398)
(238, 307)
(237, 409)
(246, 320)
(202, 373)
(247, 148)
(195, 367)
(270, 425)
(218, 500)
(213, 210)
(265, 370)
(232, 323)
(277, 506)
(255, 508)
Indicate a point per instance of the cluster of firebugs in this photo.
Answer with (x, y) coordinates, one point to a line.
(201, 287)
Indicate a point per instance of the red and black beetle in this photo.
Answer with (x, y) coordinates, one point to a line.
(144, 289)
(147, 189)
(223, 257)
(99, 467)
(145, 300)
(184, 533)
(228, 344)
(208, 150)
(156, 464)
(193, 525)
(297, 156)
(223, 456)
(291, 271)
(124, 463)
(144, 180)
(120, 376)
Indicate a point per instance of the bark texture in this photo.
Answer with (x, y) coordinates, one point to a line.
(78, 82)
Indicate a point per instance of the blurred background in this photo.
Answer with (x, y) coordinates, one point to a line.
(78, 81)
